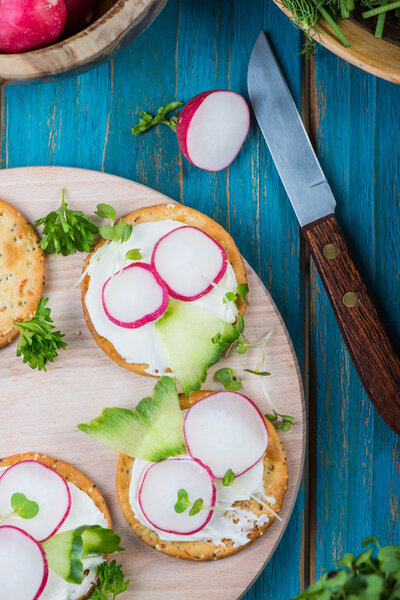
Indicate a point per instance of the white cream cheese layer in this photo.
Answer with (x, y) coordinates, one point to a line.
(83, 512)
(140, 345)
(231, 523)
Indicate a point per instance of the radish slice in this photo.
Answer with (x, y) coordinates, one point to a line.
(43, 485)
(188, 259)
(212, 127)
(23, 565)
(226, 431)
(158, 494)
(134, 296)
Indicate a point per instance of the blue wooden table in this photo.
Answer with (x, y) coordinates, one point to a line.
(351, 485)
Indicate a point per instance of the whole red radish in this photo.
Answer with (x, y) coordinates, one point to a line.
(79, 13)
(30, 24)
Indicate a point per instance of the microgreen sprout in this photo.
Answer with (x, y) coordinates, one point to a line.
(285, 423)
(116, 232)
(229, 380)
(66, 231)
(253, 372)
(22, 507)
(241, 292)
(147, 121)
(38, 342)
(183, 503)
(133, 254)
(229, 479)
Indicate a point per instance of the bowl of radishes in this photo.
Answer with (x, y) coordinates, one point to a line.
(40, 39)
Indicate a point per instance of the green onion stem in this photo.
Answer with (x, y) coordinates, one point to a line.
(335, 26)
(380, 22)
(397, 12)
(381, 9)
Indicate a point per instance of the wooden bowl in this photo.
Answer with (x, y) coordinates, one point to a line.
(381, 57)
(115, 24)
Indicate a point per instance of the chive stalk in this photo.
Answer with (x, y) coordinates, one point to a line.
(324, 13)
(384, 8)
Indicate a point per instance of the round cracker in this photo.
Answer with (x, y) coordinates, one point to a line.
(275, 484)
(22, 271)
(160, 212)
(70, 474)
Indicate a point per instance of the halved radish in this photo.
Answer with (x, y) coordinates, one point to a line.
(158, 494)
(23, 565)
(188, 260)
(41, 484)
(226, 431)
(212, 127)
(134, 296)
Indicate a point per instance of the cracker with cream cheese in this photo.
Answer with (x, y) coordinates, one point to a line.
(275, 485)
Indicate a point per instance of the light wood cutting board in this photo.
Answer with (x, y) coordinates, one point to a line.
(39, 411)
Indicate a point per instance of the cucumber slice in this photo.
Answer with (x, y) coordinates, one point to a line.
(153, 431)
(66, 550)
(192, 339)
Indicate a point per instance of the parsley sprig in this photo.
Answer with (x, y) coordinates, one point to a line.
(38, 342)
(147, 121)
(374, 575)
(66, 231)
(111, 582)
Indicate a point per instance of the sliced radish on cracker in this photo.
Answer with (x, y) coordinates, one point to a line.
(189, 261)
(24, 570)
(165, 482)
(225, 431)
(212, 127)
(39, 484)
(134, 296)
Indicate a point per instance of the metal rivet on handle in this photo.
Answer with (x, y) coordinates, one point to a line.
(350, 299)
(330, 251)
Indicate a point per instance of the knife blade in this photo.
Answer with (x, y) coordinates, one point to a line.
(363, 331)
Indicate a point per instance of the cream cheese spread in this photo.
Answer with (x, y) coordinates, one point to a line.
(140, 345)
(83, 512)
(230, 522)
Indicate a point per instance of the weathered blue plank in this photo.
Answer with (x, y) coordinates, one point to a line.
(357, 457)
(85, 121)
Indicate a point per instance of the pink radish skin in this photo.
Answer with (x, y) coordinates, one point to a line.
(212, 128)
(30, 24)
(146, 318)
(183, 262)
(21, 472)
(245, 433)
(79, 14)
(210, 501)
(14, 581)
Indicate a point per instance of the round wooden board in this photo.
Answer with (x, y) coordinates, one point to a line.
(39, 411)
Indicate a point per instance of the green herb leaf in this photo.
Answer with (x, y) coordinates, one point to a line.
(38, 342)
(228, 478)
(229, 380)
(107, 232)
(111, 582)
(229, 297)
(123, 231)
(196, 507)
(239, 324)
(241, 344)
(105, 211)
(24, 508)
(285, 423)
(242, 291)
(66, 231)
(183, 501)
(134, 254)
(147, 121)
(262, 373)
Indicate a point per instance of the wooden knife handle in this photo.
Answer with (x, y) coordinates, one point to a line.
(373, 355)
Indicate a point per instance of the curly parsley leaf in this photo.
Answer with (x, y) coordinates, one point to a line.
(66, 231)
(147, 121)
(111, 582)
(38, 342)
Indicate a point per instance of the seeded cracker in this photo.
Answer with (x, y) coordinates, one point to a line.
(275, 484)
(22, 271)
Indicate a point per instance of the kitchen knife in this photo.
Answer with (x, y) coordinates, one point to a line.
(373, 355)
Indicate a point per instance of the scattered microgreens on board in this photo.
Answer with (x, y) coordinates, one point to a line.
(229, 380)
(38, 342)
(183, 503)
(374, 575)
(229, 479)
(66, 231)
(22, 507)
(285, 422)
(147, 121)
(254, 372)
(111, 582)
